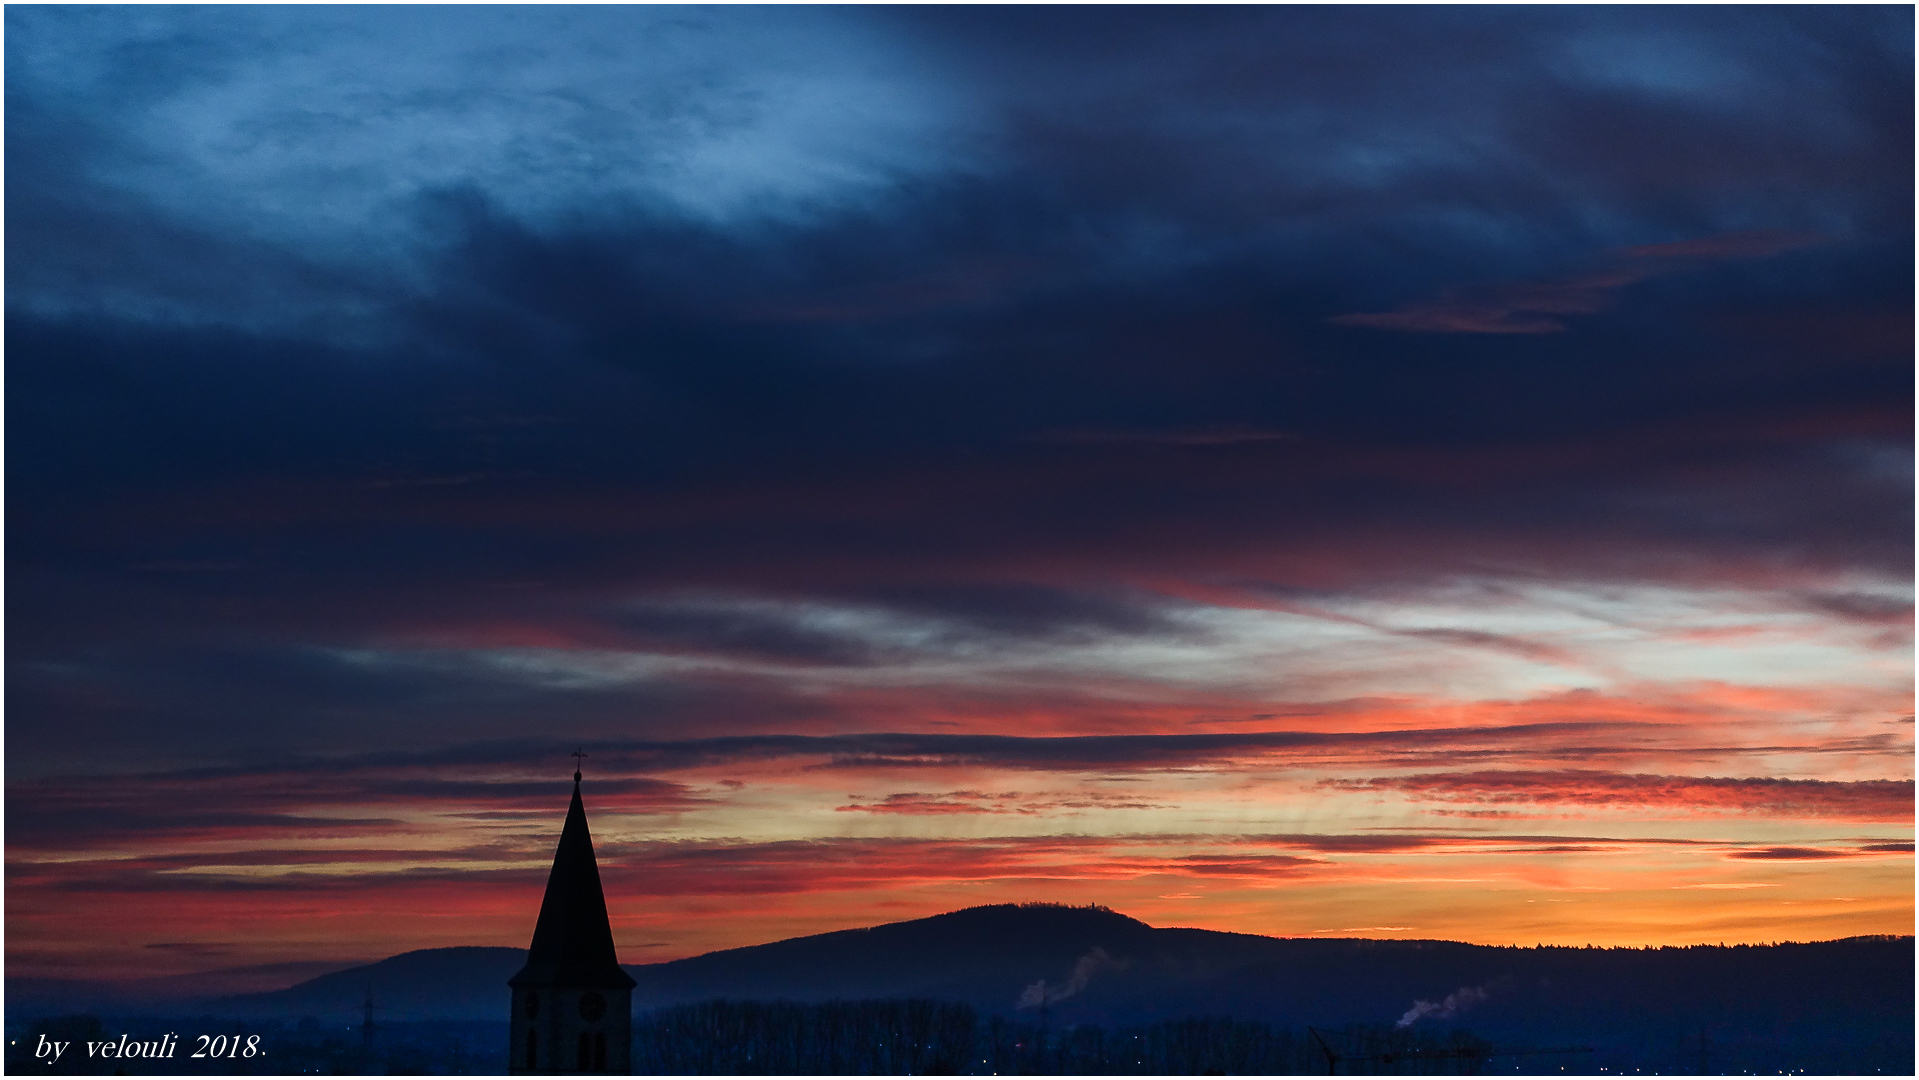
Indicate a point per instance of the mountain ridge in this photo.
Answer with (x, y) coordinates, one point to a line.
(1092, 965)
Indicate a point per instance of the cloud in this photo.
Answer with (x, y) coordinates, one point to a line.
(1790, 853)
(909, 802)
(1500, 309)
(657, 777)
(1008, 802)
(1854, 800)
(909, 403)
(1519, 646)
(1869, 608)
(1536, 308)
(1228, 435)
(196, 948)
(290, 803)
(709, 116)
(479, 848)
(1738, 245)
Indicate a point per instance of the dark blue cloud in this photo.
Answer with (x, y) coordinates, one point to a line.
(329, 323)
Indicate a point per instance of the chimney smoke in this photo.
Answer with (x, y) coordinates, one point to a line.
(1041, 994)
(1456, 1002)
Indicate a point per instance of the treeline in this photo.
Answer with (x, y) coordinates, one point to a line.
(917, 1037)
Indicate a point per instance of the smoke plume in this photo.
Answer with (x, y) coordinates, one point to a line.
(1456, 1002)
(1041, 993)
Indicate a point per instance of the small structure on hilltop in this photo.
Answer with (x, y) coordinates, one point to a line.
(572, 1004)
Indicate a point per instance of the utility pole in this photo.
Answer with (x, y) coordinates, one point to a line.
(1039, 1045)
(1332, 1059)
(366, 1027)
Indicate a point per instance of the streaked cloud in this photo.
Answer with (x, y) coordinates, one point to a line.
(1857, 800)
(1541, 307)
(937, 455)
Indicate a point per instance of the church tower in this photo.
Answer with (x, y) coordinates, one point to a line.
(572, 1005)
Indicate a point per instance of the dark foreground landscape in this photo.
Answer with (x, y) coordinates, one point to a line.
(1048, 989)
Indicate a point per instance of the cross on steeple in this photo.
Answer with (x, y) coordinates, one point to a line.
(579, 755)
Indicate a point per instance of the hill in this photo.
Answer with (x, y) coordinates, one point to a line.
(1832, 1006)
(462, 983)
(985, 956)
(1835, 1002)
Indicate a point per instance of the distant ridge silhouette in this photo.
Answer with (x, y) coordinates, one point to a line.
(982, 955)
(462, 982)
(1093, 965)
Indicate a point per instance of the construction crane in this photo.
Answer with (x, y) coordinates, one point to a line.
(1469, 1058)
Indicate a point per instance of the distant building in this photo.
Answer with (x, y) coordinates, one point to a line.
(572, 1004)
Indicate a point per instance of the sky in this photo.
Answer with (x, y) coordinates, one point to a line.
(1405, 472)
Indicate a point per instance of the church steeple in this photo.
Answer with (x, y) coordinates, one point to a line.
(572, 1002)
(573, 941)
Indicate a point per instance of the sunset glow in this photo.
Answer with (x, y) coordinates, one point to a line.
(1400, 473)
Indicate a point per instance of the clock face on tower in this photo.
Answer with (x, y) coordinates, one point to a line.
(532, 1005)
(592, 1006)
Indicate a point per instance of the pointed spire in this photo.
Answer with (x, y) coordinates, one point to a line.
(573, 941)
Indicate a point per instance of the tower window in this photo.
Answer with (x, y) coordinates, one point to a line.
(532, 1049)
